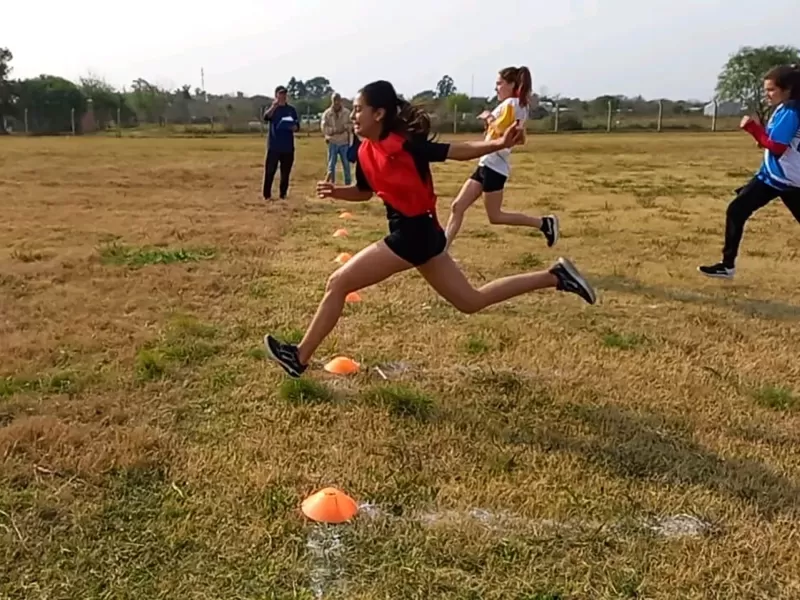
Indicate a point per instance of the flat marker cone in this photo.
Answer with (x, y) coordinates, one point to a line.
(346, 215)
(341, 365)
(343, 258)
(352, 297)
(340, 233)
(329, 505)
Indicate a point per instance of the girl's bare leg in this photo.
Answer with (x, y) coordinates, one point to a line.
(470, 192)
(446, 278)
(493, 201)
(371, 265)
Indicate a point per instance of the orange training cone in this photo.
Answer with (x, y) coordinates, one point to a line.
(340, 233)
(329, 505)
(352, 297)
(341, 365)
(346, 215)
(343, 258)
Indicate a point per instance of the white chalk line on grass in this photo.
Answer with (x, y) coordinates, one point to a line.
(327, 549)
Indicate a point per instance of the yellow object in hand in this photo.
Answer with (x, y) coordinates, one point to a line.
(503, 122)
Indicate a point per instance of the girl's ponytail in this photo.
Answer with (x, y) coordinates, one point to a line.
(522, 80)
(413, 120)
(524, 86)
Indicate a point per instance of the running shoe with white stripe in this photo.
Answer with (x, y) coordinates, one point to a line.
(570, 280)
(285, 355)
(550, 229)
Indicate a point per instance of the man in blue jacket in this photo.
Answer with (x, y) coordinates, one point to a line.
(283, 123)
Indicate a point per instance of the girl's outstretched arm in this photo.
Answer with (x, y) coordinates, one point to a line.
(348, 193)
(784, 131)
(470, 150)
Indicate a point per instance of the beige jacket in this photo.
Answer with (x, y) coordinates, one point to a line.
(336, 126)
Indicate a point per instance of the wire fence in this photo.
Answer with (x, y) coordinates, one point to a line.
(554, 119)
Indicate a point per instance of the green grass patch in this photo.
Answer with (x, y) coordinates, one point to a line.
(776, 398)
(476, 345)
(304, 391)
(135, 257)
(186, 343)
(402, 401)
(623, 341)
(528, 261)
(58, 382)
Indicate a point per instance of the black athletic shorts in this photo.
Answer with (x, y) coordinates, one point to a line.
(415, 239)
(491, 180)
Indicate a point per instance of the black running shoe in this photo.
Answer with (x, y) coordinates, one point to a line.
(570, 280)
(719, 270)
(285, 355)
(550, 229)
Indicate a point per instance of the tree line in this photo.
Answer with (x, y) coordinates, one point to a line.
(48, 103)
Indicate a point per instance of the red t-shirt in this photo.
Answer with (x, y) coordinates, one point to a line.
(398, 171)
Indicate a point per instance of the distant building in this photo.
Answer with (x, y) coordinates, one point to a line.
(724, 109)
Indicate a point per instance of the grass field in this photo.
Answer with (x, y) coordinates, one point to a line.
(645, 447)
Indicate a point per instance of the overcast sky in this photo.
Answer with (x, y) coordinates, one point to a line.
(657, 48)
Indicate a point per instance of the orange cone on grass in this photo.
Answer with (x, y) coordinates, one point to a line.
(340, 233)
(343, 258)
(353, 297)
(329, 505)
(341, 365)
(346, 215)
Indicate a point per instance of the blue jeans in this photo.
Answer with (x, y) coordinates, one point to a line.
(338, 151)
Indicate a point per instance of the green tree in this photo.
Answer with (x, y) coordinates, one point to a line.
(50, 101)
(742, 77)
(599, 106)
(460, 102)
(318, 87)
(446, 87)
(296, 88)
(5, 87)
(105, 100)
(149, 101)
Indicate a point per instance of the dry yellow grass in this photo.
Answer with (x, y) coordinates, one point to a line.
(539, 450)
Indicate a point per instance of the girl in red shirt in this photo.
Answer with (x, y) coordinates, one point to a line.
(394, 163)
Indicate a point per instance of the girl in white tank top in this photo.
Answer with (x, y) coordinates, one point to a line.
(514, 86)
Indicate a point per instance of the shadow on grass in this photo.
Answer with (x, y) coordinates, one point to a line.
(765, 309)
(652, 447)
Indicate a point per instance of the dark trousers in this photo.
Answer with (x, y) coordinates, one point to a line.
(756, 194)
(275, 158)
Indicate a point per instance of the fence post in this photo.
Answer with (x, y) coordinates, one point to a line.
(660, 114)
(26, 120)
(455, 118)
(119, 122)
(558, 117)
(72, 119)
(714, 117)
(608, 121)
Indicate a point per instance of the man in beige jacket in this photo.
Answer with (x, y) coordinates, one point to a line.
(336, 127)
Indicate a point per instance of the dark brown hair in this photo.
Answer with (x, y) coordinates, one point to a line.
(522, 80)
(786, 77)
(401, 116)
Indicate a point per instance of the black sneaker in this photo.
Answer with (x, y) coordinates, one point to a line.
(285, 355)
(570, 280)
(718, 270)
(550, 229)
